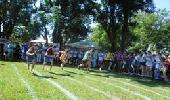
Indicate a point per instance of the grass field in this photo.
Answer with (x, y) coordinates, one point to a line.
(17, 83)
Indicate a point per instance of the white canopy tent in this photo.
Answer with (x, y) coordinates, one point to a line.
(39, 41)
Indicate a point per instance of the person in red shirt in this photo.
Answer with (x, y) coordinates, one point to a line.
(49, 57)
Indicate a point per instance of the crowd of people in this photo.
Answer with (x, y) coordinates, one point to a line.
(141, 63)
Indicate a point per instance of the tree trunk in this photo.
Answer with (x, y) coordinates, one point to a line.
(46, 35)
(54, 34)
(124, 28)
(57, 38)
(112, 27)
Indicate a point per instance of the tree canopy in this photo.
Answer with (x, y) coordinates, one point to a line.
(152, 28)
(122, 23)
(100, 37)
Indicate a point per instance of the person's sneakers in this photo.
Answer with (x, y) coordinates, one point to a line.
(62, 66)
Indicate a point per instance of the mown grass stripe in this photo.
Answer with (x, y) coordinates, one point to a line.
(124, 89)
(116, 86)
(141, 88)
(94, 89)
(57, 85)
(30, 89)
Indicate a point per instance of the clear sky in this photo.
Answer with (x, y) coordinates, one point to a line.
(161, 4)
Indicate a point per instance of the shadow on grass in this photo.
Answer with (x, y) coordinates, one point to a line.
(138, 79)
(70, 72)
(2, 65)
(46, 77)
(153, 83)
(104, 73)
(60, 74)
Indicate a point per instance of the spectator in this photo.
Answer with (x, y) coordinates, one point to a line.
(94, 58)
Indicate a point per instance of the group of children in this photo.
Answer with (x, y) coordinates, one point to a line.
(50, 54)
(145, 64)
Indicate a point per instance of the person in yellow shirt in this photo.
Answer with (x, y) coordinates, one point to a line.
(107, 59)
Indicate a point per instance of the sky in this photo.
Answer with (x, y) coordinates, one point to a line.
(161, 4)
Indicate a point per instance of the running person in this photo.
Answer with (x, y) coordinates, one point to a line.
(64, 58)
(49, 57)
(31, 58)
(88, 58)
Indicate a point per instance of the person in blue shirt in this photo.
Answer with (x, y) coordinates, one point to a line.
(94, 58)
(24, 50)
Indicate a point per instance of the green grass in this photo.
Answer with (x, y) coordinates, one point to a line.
(93, 85)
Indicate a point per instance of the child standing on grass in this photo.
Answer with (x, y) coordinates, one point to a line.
(100, 60)
(94, 58)
(39, 53)
(149, 64)
(158, 64)
(142, 61)
(31, 58)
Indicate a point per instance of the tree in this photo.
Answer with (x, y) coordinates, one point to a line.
(71, 21)
(115, 15)
(13, 12)
(152, 28)
(100, 37)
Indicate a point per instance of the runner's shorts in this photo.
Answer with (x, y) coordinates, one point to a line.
(30, 58)
(48, 59)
